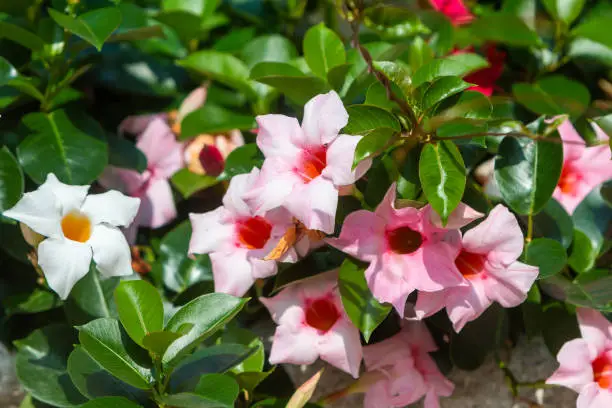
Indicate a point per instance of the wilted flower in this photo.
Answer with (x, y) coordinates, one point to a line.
(488, 262)
(305, 166)
(586, 363)
(312, 323)
(206, 154)
(455, 10)
(77, 226)
(238, 240)
(407, 248)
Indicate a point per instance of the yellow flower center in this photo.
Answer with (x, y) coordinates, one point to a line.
(76, 226)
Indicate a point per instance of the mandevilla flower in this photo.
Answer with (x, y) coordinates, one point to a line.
(407, 370)
(488, 262)
(484, 79)
(586, 363)
(163, 154)
(407, 248)
(455, 10)
(312, 323)
(238, 240)
(77, 226)
(583, 167)
(305, 166)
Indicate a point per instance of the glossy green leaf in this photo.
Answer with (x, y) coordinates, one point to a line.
(377, 96)
(32, 301)
(595, 28)
(188, 183)
(323, 50)
(419, 54)
(213, 119)
(140, 309)
(396, 73)
(442, 175)
(442, 88)
(237, 335)
(196, 7)
(158, 342)
(393, 22)
(268, 48)
(289, 80)
(91, 298)
(454, 65)
(553, 95)
(124, 153)
(41, 365)
(366, 119)
(179, 271)
(564, 10)
(63, 145)
(219, 388)
(504, 28)
(21, 36)
(242, 160)
(235, 40)
(108, 344)
(547, 254)
(337, 76)
(372, 144)
(199, 319)
(11, 180)
(363, 309)
(316, 262)
(527, 172)
(7, 71)
(554, 222)
(115, 402)
(94, 26)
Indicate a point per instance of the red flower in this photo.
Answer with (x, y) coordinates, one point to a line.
(484, 80)
(455, 10)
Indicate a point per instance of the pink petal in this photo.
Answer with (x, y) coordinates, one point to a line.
(387, 210)
(212, 231)
(157, 205)
(575, 369)
(163, 152)
(596, 330)
(232, 272)
(362, 235)
(387, 352)
(509, 285)
(429, 269)
(137, 124)
(460, 217)
(418, 336)
(278, 135)
(262, 269)
(126, 181)
(599, 132)
(387, 287)
(464, 304)
(274, 185)
(193, 101)
(239, 185)
(294, 345)
(570, 201)
(499, 237)
(377, 395)
(324, 116)
(340, 155)
(341, 347)
(573, 144)
(593, 396)
(429, 303)
(314, 204)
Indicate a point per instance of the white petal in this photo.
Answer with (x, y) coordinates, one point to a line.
(212, 231)
(111, 251)
(64, 263)
(67, 197)
(233, 199)
(39, 211)
(111, 207)
(340, 157)
(324, 116)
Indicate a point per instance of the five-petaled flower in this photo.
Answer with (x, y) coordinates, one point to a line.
(238, 240)
(583, 167)
(407, 371)
(407, 248)
(487, 259)
(312, 323)
(455, 10)
(586, 363)
(77, 226)
(305, 166)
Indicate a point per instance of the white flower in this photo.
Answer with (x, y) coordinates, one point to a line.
(77, 226)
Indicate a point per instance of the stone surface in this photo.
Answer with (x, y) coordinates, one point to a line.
(10, 391)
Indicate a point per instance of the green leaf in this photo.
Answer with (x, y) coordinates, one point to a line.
(363, 309)
(91, 298)
(547, 254)
(316, 262)
(221, 389)
(527, 172)
(564, 10)
(372, 144)
(366, 119)
(337, 76)
(21, 36)
(454, 65)
(553, 95)
(554, 222)
(11, 180)
(7, 71)
(595, 29)
(442, 175)
(201, 317)
(94, 26)
(124, 153)
(268, 48)
(196, 7)
(442, 88)
(188, 183)
(158, 342)
(237, 335)
(504, 28)
(377, 96)
(41, 365)
(93, 381)
(323, 50)
(241, 160)
(393, 22)
(419, 54)
(396, 73)
(178, 270)
(32, 301)
(59, 144)
(213, 119)
(222, 67)
(558, 327)
(289, 80)
(115, 402)
(140, 309)
(107, 343)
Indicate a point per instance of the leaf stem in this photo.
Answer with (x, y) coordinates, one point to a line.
(511, 134)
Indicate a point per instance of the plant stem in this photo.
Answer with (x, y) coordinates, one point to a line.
(537, 138)
(529, 236)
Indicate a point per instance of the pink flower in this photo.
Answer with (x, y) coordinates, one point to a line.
(455, 10)
(488, 262)
(305, 166)
(238, 240)
(312, 323)
(583, 167)
(163, 154)
(408, 371)
(407, 248)
(586, 363)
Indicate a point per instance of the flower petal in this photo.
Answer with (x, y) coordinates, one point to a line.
(387, 287)
(211, 232)
(429, 303)
(340, 155)
(39, 211)
(157, 206)
(274, 184)
(574, 145)
(575, 370)
(294, 345)
(64, 263)
(164, 153)
(324, 116)
(341, 347)
(466, 303)
(596, 330)
(232, 272)
(137, 124)
(126, 181)
(111, 252)
(509, 285)
(362, 235)
(460, 217)
(233, 199)
(593, 396)
(278, 135)
(193, 101)
(314, 204)
(112, 208)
